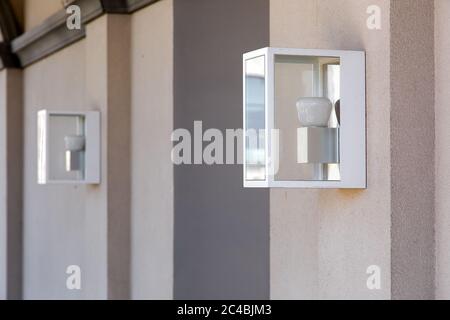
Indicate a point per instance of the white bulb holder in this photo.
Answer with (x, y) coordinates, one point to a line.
(74, 152)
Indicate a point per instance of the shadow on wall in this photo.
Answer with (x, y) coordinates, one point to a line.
(221, 230)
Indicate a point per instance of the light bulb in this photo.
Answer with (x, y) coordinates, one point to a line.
(314, 112)
(74, 143)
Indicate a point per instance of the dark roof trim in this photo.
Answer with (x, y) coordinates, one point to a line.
(9, 25)
(134, 5)
(124, 6)
(7, 58)
(10, 29)
(52, 34)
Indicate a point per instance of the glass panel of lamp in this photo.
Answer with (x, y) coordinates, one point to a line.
(306, 114)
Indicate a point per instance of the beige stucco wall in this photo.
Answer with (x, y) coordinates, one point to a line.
(55, 217)
(322, 241)
(442, 116)
(36, 11)
(88, 225)
(151, 167)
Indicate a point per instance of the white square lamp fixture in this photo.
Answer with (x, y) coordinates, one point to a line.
(68, 147)
(304, 118)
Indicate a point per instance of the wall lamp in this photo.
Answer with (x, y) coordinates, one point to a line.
(68, 147)
(304, 118)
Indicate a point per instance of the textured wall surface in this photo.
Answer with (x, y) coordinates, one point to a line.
(322, 241)
(412, 149)
(221, 230)
(152, 170)
(442, 67)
